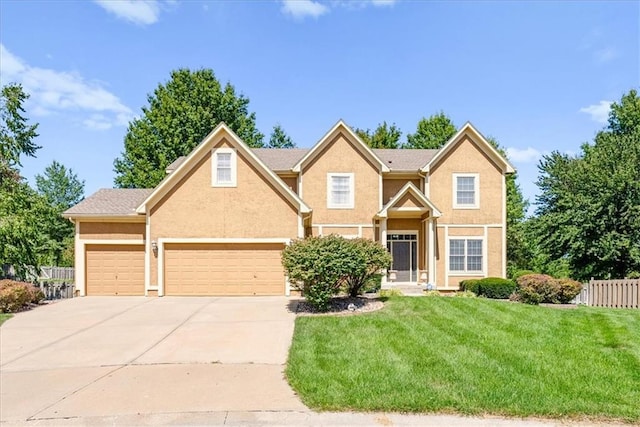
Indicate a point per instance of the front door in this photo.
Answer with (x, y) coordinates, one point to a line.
(404, 251)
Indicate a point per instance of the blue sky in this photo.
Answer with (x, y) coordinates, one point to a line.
(537, 76)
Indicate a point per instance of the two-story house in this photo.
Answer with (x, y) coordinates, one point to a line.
(217, 223)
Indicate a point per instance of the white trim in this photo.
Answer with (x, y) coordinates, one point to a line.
(476, 190)
(431, 266)
(233, 160)
(351, 202)
(380, 194)
(455, 273)
(485, 251)
(300, 226)
(212, 240)
(469, 225)
(484, 145)
(300, 185)
(406, 189)
(360, 146)
(199, 153)
(80, 273)
(342, 225)
(417, 234)
(383, 242)
(147, 255)
(446, 256)
(504, 228)
(81, 249)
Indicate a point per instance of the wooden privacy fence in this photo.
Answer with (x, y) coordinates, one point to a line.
(617, 293)
(57, 273)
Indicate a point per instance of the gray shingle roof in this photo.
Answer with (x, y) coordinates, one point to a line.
(283, 159)
(404, 159)
(110, 201)
(280, 159)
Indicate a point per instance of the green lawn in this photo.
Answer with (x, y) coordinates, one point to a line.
(4, 317)
(471, 356)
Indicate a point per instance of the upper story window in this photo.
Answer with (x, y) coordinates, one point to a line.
(465, 191)
(340, 193)
(223, 163)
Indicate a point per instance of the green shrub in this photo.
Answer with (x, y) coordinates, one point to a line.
(634, 275)
(542, 288)
(367, 258)
(465, 294)
(495, 287)
(15, 295)
(374, 284)
(470, 285)
(432, 293)
(322, 266)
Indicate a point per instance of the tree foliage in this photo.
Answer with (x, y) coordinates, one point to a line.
(432, 132)
(179, 114)
(280, 139)
(589, 204)
(60, 186)
(16, 135)
(384, 136)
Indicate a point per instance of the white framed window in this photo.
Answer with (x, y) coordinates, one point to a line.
(340, 193)
(465, 255)
(465, 191)
(224, 167)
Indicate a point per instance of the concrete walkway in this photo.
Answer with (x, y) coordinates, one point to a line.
(168, 361)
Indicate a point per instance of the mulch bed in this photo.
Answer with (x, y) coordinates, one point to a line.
(342, 306)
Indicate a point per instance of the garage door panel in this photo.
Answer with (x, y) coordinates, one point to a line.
(114, 269)
(223, 269)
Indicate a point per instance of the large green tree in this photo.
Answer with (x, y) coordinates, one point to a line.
(589, 204)
(280, 139)
(179, 114)
(16, 134)
(60, 186)
(384, 136)
(432, 132)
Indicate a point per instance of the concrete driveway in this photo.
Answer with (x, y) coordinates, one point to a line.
(101, 356)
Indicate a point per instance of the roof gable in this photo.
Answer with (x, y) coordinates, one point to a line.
(484, 145)
(409, 189)
(220, 131)
(352, 137)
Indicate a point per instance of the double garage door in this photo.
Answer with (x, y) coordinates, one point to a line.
(223, 269)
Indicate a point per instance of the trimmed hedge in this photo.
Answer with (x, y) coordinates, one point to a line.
(496, 287)
(489, 287)
(16, 295)
(470, 285)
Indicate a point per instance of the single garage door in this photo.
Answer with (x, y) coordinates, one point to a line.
(223, 269)
(115, 269)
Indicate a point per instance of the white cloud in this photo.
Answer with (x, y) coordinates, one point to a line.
(383, 2)
(527, 155)
(54, 91)
(599, 112)
(141, 12)
(302, 8)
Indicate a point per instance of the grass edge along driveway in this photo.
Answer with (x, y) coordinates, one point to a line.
(471, 356)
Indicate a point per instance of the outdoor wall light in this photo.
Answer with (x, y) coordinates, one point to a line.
(154, 246)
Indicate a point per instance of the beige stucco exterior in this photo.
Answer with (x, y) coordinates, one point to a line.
(112, 230)
(340, 156)
(202, 239)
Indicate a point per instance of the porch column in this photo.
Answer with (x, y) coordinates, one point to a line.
(432, 250)
(383, 242)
